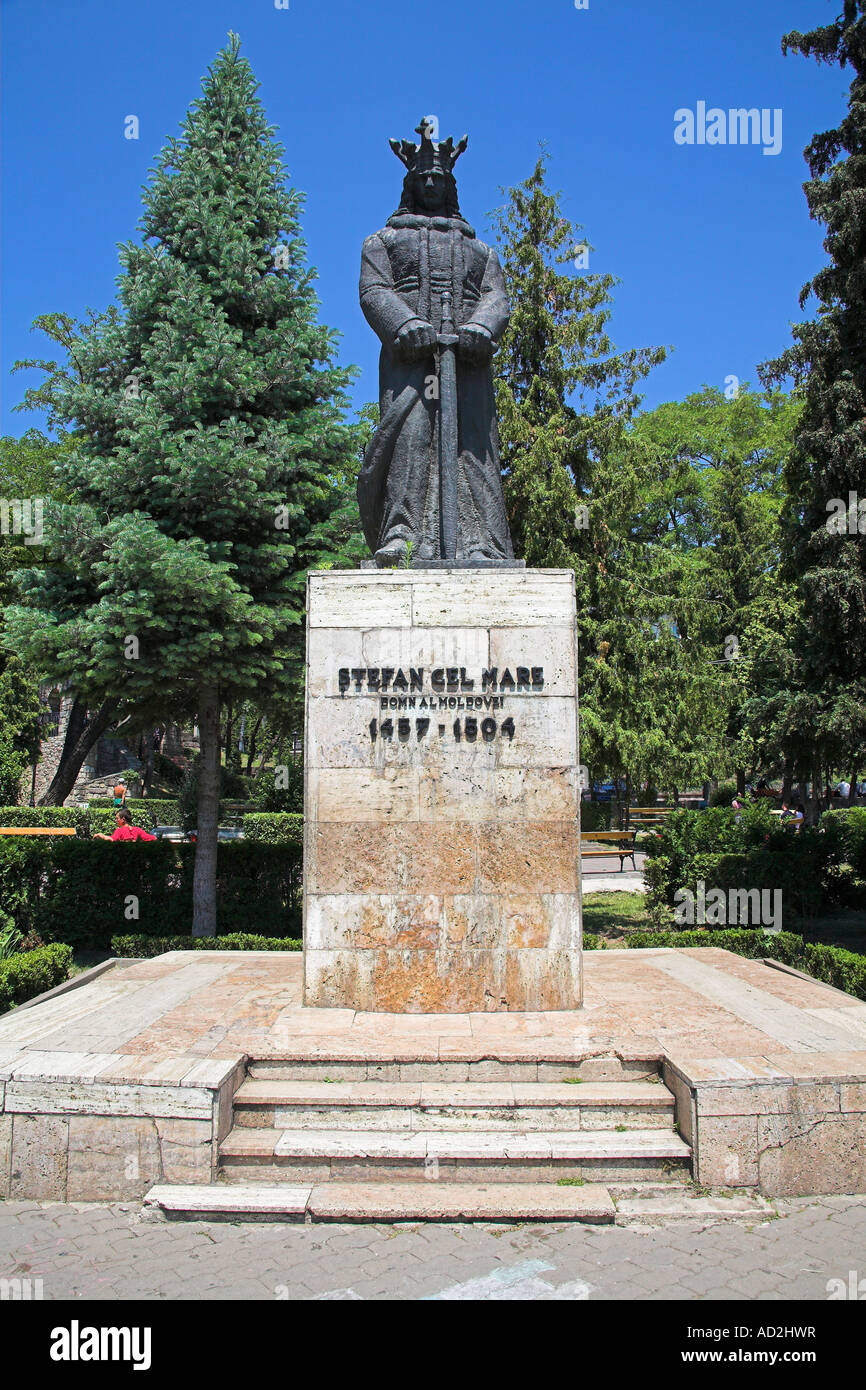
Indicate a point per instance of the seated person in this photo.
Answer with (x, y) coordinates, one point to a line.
(125, 829)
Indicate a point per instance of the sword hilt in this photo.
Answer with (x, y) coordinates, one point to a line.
(447, 336)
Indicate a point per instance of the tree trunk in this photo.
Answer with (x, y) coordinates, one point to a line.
(204, 907)
(251, 757)
(81, 734)
(147, 759)
(852, 790)
(787, 779)
(269, 748)
(741, 781)
(230, 729)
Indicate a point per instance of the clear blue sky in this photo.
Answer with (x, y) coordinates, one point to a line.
(711, 243)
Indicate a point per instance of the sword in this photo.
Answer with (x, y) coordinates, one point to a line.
(448, 340)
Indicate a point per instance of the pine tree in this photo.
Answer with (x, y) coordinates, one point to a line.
(563, 394)
(564, 399)
(208, 434)
(826, 475)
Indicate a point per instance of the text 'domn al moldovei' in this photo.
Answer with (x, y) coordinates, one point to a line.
(447, 687)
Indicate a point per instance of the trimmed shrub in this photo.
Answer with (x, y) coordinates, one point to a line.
(62, 817)
(274, 828)
(149, 946)
(83, 892)
(725, 851)
(835, 966)
(29, 973)
(290, 798)
(151, 810)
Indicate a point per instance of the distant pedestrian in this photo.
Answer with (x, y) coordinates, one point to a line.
(119, 794)
(125, 829)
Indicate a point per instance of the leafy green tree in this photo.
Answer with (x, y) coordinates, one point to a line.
(208, 431)
(825, 528)
(28, 478)
(712, 503)
(574, 484)
(19, 726)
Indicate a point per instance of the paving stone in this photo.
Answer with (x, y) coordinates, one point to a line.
(809, 1244)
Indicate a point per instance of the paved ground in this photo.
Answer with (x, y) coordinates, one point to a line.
(597, 877)
(108, 1252)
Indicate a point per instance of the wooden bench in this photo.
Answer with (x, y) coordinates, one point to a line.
(36, 830)
(647, 816)
(624, 838)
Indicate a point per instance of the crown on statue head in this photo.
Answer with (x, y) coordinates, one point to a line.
(430, 156)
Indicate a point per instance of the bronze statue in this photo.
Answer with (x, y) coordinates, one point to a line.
(430, 488)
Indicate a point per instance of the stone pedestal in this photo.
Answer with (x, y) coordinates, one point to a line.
(442, 791)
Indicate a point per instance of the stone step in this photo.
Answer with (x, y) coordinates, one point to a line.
(524, 1065)
(432, 1105)
(382, 1201)
(682, 1205)
(308, 1155)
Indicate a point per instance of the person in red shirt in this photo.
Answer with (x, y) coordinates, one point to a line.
(125, 829)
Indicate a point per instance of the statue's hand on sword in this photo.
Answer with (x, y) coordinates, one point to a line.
(416, 339)
(475, 343)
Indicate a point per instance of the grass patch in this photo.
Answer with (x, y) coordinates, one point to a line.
(614, 915)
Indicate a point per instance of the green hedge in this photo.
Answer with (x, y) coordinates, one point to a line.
(163, 811)
(723, 850)
(274, 828)
(84, 891)
(29, 973)
(74, 817)
(149, 946)
(158, 811)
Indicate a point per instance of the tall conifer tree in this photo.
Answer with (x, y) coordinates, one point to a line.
(208, 435)
(826, 475)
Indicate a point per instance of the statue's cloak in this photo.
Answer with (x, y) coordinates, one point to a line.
(404, 270)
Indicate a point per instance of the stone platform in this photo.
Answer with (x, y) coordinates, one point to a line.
(442, 791)
(133, 1079)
